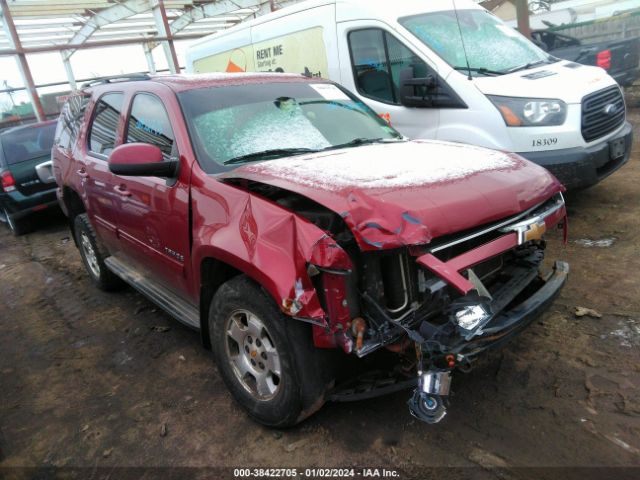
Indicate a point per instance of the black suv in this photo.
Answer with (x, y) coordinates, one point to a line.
(28, 184)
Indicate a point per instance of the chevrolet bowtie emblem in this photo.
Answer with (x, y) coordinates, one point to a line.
(527, 230)
(535, 231)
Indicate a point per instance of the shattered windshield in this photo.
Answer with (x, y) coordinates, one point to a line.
(231, 125)
(491, 46)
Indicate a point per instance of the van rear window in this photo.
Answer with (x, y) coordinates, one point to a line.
(27, 143)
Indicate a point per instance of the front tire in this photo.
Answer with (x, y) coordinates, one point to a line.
(266, 359)
(93, 255)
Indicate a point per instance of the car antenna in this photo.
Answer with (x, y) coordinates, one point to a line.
(466, 58)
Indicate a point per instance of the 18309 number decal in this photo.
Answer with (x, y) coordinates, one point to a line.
(544, 142)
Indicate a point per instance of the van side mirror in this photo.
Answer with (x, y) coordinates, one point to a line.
(416, 92)
(427, 92)
(141, 160)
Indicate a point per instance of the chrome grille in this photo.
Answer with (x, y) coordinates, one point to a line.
(602, 112)
(449, 247)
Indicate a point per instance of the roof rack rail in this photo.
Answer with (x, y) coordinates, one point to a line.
(116, 78)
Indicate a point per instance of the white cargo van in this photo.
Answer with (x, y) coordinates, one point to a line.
(439, 72)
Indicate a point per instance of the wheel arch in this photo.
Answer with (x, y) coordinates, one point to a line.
(74, 206)
(217, 266)
(213, 274)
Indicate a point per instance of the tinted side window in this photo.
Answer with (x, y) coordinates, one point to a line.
(102, 137)
(149, 123)
(401, 57)
(70, 120)
(377, 59)
(371, 69)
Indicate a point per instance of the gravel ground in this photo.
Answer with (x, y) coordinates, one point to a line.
(98, 381)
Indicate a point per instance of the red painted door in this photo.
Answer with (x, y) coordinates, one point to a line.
(153, 218)
(92, 168)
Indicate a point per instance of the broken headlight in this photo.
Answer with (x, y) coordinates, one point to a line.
(470, 317)
(470, 313)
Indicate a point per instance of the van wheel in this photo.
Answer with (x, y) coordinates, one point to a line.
(17, 227)
(266, 359)
(93, 255)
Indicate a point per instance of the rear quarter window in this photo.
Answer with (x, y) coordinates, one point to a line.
(70, 121)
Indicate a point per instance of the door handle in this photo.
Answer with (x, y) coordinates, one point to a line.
(82, 173)
(122, 190)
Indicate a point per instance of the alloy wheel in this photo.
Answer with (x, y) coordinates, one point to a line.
(90, 254)
(252, 354)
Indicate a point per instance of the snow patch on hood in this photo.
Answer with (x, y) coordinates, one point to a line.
(383, 166)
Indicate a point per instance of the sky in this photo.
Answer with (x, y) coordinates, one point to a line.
(48, 68)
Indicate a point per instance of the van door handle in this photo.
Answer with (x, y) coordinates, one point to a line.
(82, 173)
(122, 190)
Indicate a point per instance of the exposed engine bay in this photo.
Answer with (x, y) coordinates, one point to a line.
(436, 306)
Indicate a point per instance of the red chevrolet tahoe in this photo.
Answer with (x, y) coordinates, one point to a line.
(302, 235)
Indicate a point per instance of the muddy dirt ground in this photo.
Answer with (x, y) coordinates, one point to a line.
(96, 380)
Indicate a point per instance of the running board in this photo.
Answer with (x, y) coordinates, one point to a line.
(158, 294)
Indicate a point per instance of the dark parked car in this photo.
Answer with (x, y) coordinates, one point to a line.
(620, 58)
(282, 218)
(26, 174)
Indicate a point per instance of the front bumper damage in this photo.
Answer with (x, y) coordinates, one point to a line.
(462, 296)
(484, 317)
(446, 346)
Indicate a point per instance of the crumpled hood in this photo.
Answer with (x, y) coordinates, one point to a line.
(557, 80)
(409, 193)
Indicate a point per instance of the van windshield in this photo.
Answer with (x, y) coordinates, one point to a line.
(491, 46)
(231, 125)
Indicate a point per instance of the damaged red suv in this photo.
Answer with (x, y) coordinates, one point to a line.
(301, 234)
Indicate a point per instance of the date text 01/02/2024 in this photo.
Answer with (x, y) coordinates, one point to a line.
(315, 473)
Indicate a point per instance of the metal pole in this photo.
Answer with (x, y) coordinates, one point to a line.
(522, 13)
(21, 60)
(151, 64)
(66, 61)
(162, 24)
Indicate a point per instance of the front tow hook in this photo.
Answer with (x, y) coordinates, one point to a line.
(430, 399)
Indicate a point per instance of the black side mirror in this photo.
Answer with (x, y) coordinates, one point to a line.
(427, 92)
(416, 92)
(141, 160)
(168, 169)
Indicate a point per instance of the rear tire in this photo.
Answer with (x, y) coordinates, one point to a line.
(93, 255)
(17, 227)
(266, 359)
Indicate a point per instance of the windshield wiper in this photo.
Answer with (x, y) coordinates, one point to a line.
(256, 156)
(363, 141)
(529, 65)
(481, 70)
